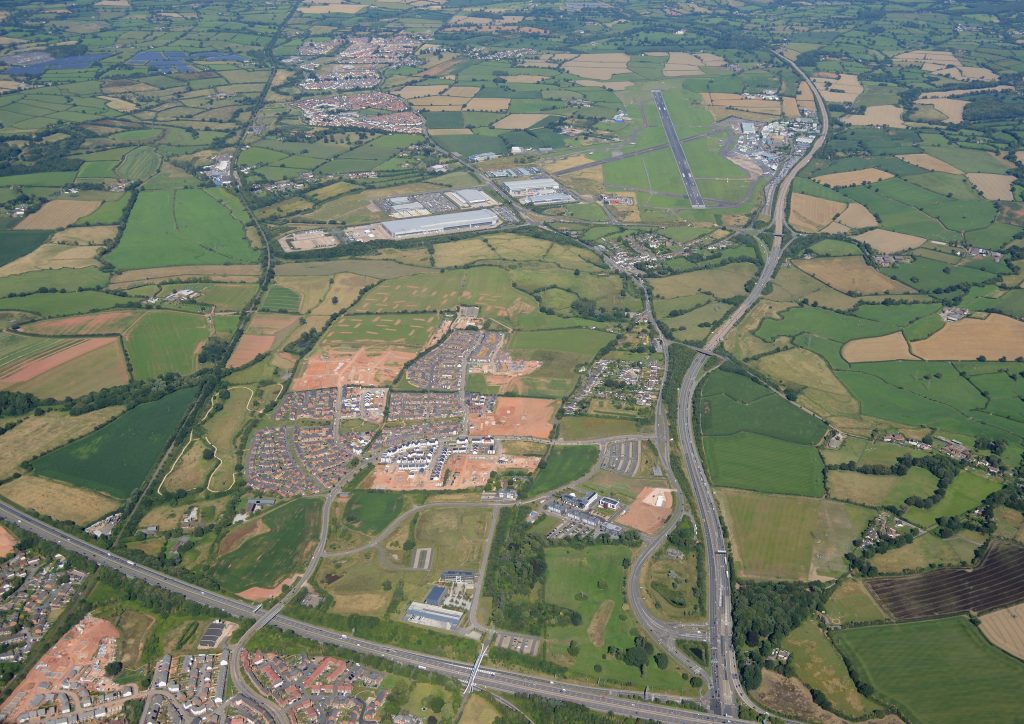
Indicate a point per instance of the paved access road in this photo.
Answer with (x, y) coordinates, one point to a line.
(696, 200)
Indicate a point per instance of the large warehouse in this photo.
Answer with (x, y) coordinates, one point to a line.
(532, 186)
(442, 224)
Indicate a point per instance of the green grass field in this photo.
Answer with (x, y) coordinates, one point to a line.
(591, 582)
(732, 403)
(179, 227)
(382, 330)
(14, 243)
(563, 464)
(851, 603)
(757, 462)
(164, 341)
(819, 665)
(58, 305)
(100, 460)
(371, 512)
(266, 558)
(281, 299)
(560, 352)
(936, 671)
(782, 537)
(968, 489)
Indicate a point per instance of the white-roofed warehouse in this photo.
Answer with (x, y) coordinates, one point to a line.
(442, 224)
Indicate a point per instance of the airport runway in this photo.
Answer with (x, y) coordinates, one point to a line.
(696, 200)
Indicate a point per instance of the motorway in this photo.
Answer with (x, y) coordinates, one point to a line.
(725, 690)
(725, 685)
(696, 200)
(625, 703)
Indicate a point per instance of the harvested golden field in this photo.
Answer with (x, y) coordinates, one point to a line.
(838, 87)
(519, 121)
(877, 349)
(850, 274)
(891, 116)
(420, 91)
(855, 216)
(451, 132)
(598, 66)
(463, 91)
(118, 104)
(735, 101)
(620, 85)
(52, 256)
(58, 500)
(325, 8)
(34, 436)
(523, 78)
(1005, 629)
(811, 214)
(58, 214)
(994, 337)
(942, 62)
(951, 108)
(993, 186)
(680, 64)
(889, 242)
(561, 164)
(790, 108)
(488, 104)
(85, 235)
(929, 163)
(804, 97)
(853, 178)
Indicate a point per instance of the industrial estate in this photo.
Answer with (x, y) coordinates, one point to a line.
(580, 361)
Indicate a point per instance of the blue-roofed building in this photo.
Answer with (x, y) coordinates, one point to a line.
(435, 597)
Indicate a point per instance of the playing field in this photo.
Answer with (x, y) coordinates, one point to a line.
(936, 671)
(98, 460)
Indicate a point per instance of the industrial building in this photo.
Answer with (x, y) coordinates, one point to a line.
(521, 188)
(470, 198)
(442, 224)
(433, 616)
(559, 197)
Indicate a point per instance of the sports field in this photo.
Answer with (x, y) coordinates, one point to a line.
(936, 671)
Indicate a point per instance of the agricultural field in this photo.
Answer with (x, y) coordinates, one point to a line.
(818, 534)
(934, 671)
(97, 461)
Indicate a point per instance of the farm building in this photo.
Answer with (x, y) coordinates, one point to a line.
(442, 224)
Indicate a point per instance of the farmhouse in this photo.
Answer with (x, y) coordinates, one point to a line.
(442, 224)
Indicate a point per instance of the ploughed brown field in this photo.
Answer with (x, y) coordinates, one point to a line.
(997, 582)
